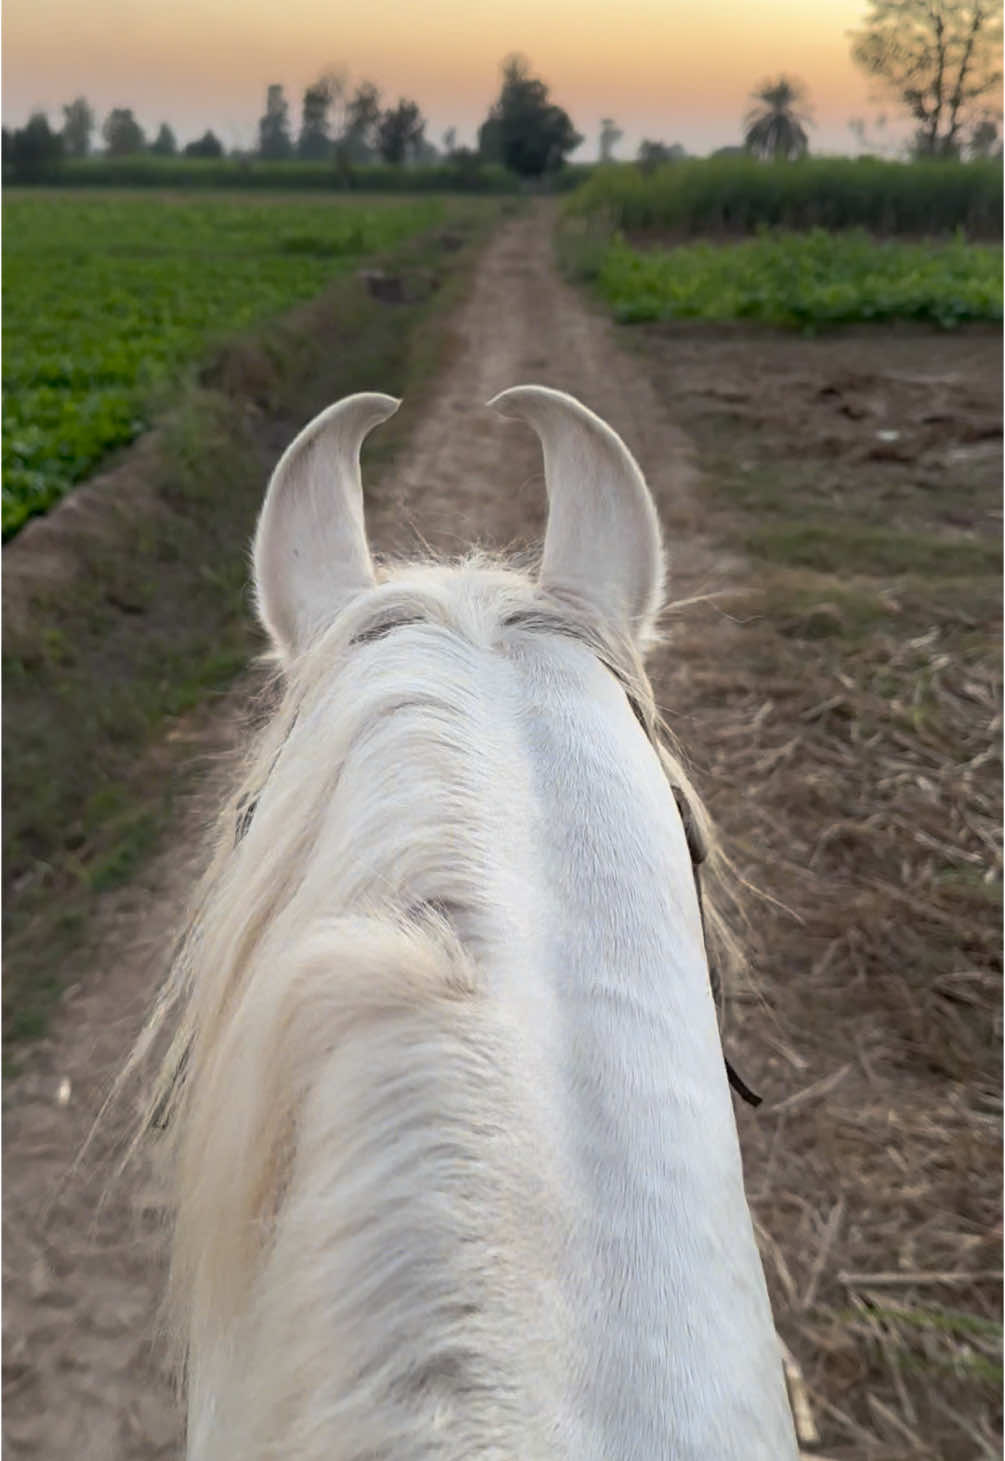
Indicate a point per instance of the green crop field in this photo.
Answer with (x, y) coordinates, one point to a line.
(733, 197)
(812, 281)
(107, 298)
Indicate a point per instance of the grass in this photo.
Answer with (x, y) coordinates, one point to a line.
(810, 281)
(878, 552)
(108, 300)
(131, 615)
(732, 197)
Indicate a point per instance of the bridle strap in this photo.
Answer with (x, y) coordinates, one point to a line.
(698, 848)
(740, 1085)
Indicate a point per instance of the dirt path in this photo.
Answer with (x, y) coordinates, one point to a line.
(82, 1276)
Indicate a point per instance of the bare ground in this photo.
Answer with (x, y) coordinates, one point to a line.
(849, 735)
(84, 1260)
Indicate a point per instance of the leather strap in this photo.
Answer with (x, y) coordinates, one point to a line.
(698, 848)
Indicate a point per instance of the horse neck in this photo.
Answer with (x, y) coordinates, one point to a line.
(535, 812)
(662, 1266)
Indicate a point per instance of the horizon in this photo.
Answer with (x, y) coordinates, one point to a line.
(636, 64)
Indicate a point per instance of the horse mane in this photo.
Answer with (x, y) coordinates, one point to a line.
(252, 1016)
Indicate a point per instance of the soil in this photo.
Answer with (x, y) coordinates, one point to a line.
(846, 723)
(84, 1248)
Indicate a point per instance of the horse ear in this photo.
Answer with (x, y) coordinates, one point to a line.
(602, 545)
(310, 553)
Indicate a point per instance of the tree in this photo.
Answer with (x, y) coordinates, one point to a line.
(122, 133)
(939, 58)
(425, 153)
(165, 144)
(450, 140)
(524, 130)
(490, 138)
(274, 142)
(362, 118)
(466, 166)
(78, 124)
(983, 139)
(208, 145)
(773, 128)
(610, 135)
(878, 142)
(314, 142)
(654, 154)
(400, 132)
(35, 150)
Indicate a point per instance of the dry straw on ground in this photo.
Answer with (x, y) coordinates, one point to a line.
(844, 717)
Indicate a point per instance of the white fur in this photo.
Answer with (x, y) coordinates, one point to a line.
(456, 1166)
(310, 551)
(602, 546)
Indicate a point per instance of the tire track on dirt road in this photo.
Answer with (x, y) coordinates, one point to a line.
(83, 1277)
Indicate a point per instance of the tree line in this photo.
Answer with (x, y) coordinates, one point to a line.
(524, 131)
(938, 60)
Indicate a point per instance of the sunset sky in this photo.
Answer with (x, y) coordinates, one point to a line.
(663, 69)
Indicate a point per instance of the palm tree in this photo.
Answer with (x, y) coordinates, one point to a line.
(774, 127)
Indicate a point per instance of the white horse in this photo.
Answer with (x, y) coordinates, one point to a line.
(455, 1164)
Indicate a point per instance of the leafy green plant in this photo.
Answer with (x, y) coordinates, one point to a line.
(809, 280)
(108, 298)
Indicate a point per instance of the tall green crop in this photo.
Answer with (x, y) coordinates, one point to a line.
(737, 196)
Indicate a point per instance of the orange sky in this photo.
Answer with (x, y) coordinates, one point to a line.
(662, 68)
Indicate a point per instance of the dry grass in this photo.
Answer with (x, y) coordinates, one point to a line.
(846, 723)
